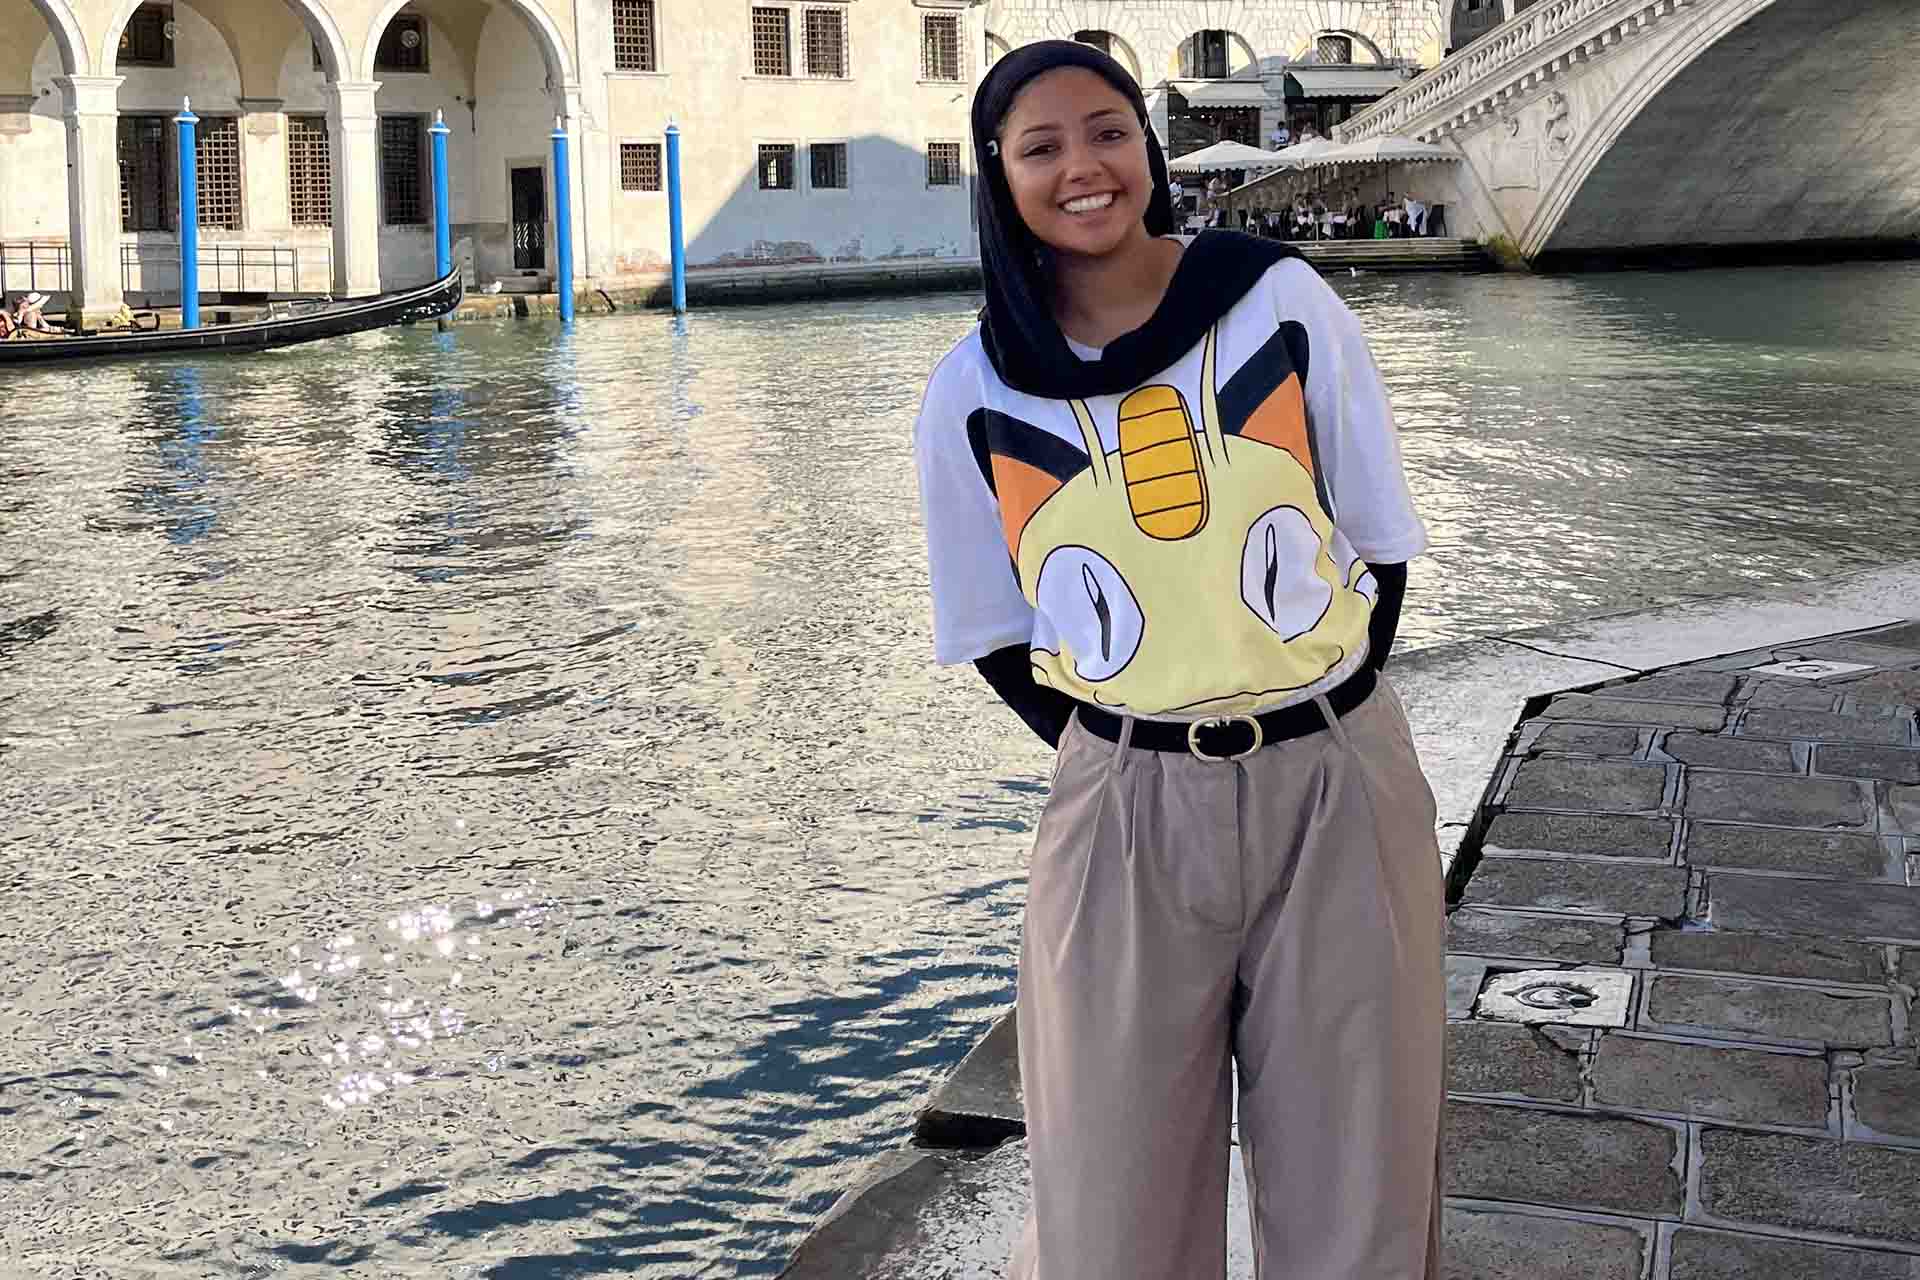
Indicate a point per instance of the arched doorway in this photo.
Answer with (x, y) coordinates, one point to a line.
(1113, 46)
(503, 79)
(44, 49)
(1471, 19)
(1211, 54)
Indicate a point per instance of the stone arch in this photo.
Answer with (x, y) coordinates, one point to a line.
(1636, 94)
(552, 45)
(1117, 46)
(75, 58)
(313, 15)
(997, 48)
(1240, 54)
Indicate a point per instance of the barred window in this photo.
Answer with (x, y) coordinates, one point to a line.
(147, 39)
(216, 151)
(400, 170)
(403, 45)
(826, 42)
(633, 48)
(940, 46)
(776, 166)
(943, 164)
(146, 173)
(772, 43)
(829, 165)
(639, 166)
(309, 172)
(1336, 49)
(1101, 40)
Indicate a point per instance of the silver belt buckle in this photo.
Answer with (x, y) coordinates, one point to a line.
(1221, 722)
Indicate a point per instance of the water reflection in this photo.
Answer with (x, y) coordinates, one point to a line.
(476, 803)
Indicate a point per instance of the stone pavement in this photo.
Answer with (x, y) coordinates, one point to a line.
(1681, 972)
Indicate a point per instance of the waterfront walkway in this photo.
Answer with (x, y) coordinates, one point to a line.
(1682, 963)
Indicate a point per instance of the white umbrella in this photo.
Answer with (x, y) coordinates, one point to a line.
(1304, 155)
(1227, 155)
(1385, 149)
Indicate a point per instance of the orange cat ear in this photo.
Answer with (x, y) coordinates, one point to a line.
(1265, 399)
(1023, 465)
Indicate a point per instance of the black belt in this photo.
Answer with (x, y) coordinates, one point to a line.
(1230, 737)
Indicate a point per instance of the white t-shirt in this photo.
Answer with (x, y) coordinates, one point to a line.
(1196, 546)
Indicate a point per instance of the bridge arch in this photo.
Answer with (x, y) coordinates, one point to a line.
(1763, 104)
(553, 46)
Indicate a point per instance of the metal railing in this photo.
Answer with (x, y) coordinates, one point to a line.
(1497, 55)
(46, 266)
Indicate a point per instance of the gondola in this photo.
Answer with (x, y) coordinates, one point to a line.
(309, 323)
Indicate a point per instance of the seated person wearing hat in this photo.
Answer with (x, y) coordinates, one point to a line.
(27, 316)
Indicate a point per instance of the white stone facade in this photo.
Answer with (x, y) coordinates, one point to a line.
(501, 72)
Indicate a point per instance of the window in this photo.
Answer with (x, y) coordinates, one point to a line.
(776, 166)
(1204, 55)
(403, 46)
(633, 48)
(1334, 49)
(772, 44)
(216, 151)
(829, 165)
(943, 164)
(147, 40)
(400, 170)
(639, 166)
(309, 172)
(1101, 40)
(146, 173)
(826, 42)
(939, 46)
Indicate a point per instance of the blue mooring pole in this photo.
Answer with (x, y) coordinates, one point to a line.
(189, 216)
(563, 214)
(442, 213)
(676, 244)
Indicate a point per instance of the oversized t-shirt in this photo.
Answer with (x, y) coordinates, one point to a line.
(1195, 546)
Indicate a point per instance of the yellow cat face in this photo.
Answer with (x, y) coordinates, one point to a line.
(1198, 547)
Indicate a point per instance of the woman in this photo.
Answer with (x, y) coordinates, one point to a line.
(1166, 519)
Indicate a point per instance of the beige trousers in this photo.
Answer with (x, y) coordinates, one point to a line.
(1282, 912)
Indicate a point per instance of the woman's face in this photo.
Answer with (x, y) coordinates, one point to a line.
(1075, 157)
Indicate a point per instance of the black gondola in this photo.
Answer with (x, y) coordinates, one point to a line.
(312, 322)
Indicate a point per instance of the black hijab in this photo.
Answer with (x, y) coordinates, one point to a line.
(1018, 330)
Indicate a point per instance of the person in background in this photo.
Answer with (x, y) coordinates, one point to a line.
(6, 320)
(1281, 136)
(27, 315)
(1416, 216)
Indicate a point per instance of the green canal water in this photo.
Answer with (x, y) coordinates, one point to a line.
(477, 804)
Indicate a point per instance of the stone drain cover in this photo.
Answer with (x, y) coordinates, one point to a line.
(1809, 668)
(1570, 997)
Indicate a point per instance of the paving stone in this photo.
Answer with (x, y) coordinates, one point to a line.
(1709, 751)
(1612, 786)
(1534, 937)
(1766, 691)
(1873, 649)
(1875, 912)
(1711, 1082)
(1887, 1100)
(1821, 1184)
(1547, 1157)
(1464, 976)
(1766, 956)
(1889, 764)
(1885, 689)
(1784, 802)
(1591, 835)
(1832, 854)
(1826, 726)
(1673, 715)
(1726, 1255)
(1677, 686)
(1842, 1019)
(1590, 739)
(1905, 803)
(1477, 1245)
(1490, 1057)
(1553, 884)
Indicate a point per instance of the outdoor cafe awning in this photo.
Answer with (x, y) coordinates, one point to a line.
(1228, 155)
(1342, 82)
(1226, 93)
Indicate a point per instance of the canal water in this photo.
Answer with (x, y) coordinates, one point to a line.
(477, 804)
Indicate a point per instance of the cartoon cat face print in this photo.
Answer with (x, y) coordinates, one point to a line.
(1199, 548)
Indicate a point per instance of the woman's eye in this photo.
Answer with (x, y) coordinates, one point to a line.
(1040, 150)
(1112, 135)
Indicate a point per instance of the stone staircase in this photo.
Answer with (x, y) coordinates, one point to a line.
(1419, 254)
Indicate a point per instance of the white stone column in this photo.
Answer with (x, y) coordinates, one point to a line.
(264, 162)
(93, 195)
(353, 128)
